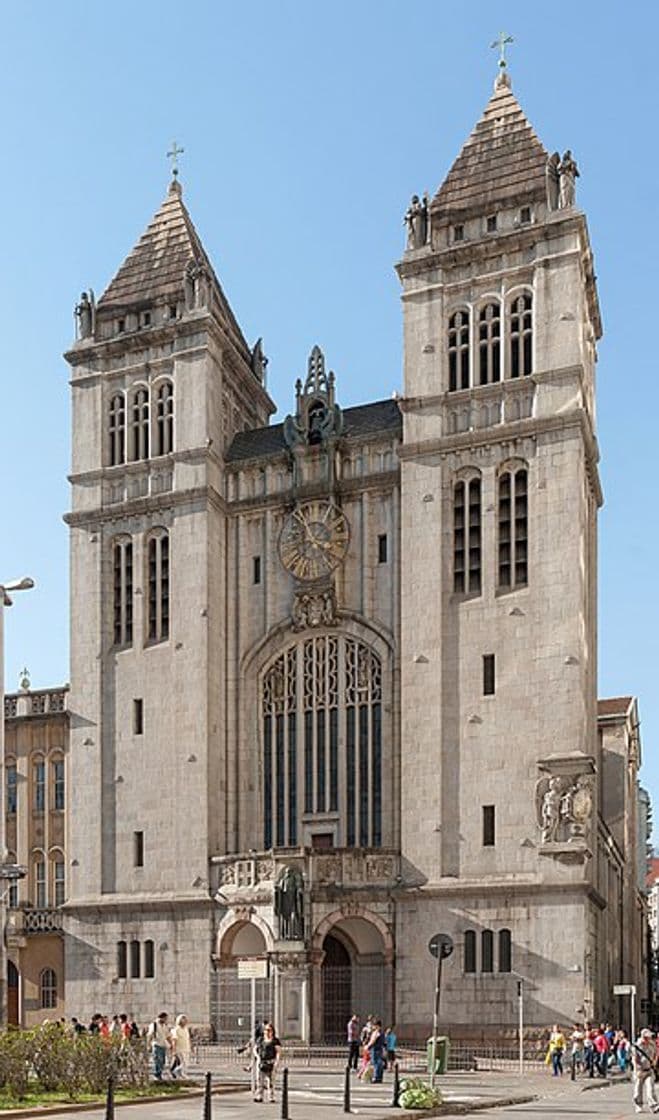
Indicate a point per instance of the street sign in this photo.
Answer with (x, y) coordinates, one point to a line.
(254, 969)
(441, 945)
(624, 990)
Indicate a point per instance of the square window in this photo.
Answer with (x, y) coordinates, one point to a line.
(488, 826)
(138, 849)
(382, 548)
(256, 569)
(492, 223)
(138, 717)
(489, 681)
(458, 233)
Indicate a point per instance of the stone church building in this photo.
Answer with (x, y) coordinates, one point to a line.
(333, 680)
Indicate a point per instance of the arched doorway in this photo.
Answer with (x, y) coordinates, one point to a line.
(355, 975)
(232, 1011)
(13, 1009)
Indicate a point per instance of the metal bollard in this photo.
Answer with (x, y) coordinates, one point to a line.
(346, 1091)
(573, 1068)
(109, 1100)
(395, 1102)
(284, 1095)
(208, 1105)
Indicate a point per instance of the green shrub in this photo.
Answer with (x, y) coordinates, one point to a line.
(15, 1060)
(416, 1093)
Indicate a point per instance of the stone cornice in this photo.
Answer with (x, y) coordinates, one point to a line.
(481, 888)
(384, 480)
(139, 902)
(144, 466)
(138, 507)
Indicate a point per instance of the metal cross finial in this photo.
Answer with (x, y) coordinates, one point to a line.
(501, 42)
(173, 155)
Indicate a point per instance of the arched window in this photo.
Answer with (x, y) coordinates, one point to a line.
(139, 425)
(47, 989)
(134, 960)
(505, 951)
(149, 960)
(122, 562)
(487, 951)
(39, 880)
(117, 429)
(458, 351)
(122, 960)
(11, 782)
(158, 584)
(59, 878)
(39, 785)
(58, 787)
(489, 344)
(469, 964)
(322, 726)
(165, 418)
(467, 536)
(521, 336)
(513, 528)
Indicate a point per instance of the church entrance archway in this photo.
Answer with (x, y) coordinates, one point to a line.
(233, 996)
(355, 975)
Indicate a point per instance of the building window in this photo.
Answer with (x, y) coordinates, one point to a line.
(138, 716)
(458, 351)
(382, 548)
(489, 344)
(138, 849)
(487, 951)
(59, 882)
(505, 951)
(525, 215)
(489, 681)
(458, 232)
(488, 826)
(117, 429)
(322, 715)
(491, 223)
(39, 786)
(122, 960)
(12, 897)
(139, 425)
(165, 418)
(149, 960)
(256, 569)
(513, 528)
(521, 336)
(134, 960)
(158, 579)
(40, 884)
(123, 592)
(11, 779)
(47, 989)
(467, 536)
(470, 951)
(58, 784)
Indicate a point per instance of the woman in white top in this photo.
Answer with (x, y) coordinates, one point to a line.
(181, 1047)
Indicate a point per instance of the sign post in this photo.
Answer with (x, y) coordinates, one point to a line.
(628, 990)
(256, 968)
(440, 947)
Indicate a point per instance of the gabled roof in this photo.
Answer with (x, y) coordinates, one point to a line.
(502, 159)
(153, 270)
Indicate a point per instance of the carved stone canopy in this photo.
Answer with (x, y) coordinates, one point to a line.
(317, 416)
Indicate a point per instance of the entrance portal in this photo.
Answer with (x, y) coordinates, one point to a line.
(353, 978)
(337, 989)
(231, 1013)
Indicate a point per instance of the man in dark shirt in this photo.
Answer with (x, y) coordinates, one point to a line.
(266, 1051)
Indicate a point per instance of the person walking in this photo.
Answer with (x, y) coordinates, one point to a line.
(352, 1036)
(390, 1044)
(644, 1059)
(577, 1039)
(267, 1053)
(376, 1051)
(181, 1047)
(157, 1038)
(601, 1044)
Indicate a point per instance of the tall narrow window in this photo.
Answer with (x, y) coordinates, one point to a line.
(382, 548)
(117, 429)
(135, 960)
(149, 960)
(58, 784)
(11, 780)
(489, 670)
(280, 753)
(47, 989)
(488, 826)
(467, 536)
(458, 351)
(123, 592)
(487, 951)
(138, 716)
(505, 951)
(165, 418)
(13, 884)
(122, 960)
(138, 849)
(39, 786)
(521, 336)
(470, 951)
(40, 883)
(59, 881)
(513, 528)
(256, 569)
(139, 425)
(158, 576)
(489, 344)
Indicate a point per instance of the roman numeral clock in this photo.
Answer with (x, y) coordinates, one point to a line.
(314, 540)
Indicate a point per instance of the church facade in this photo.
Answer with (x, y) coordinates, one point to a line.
(333, 681)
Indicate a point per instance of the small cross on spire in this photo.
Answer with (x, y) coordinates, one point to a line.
(173, 155)
(501, 42)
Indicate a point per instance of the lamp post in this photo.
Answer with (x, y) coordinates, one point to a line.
(520, 1019)
(24, 584)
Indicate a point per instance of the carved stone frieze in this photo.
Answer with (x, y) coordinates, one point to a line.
(379, 867)
(314, 608)
(564, 799)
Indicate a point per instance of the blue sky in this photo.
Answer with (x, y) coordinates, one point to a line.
(306, 128)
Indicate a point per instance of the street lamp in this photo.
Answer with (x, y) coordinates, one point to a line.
(24, 584)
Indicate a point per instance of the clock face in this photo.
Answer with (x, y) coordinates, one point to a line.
(314, 540)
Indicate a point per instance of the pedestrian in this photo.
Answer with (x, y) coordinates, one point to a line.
(181, 1047)
(622, 1051)
(135, 1031)
(115, 1026)
(644, 1059)
(601, 1044)
(124, 1027)
(390, 1044)
(267, 1053)
(555, 1051)
(157, 1037)
(589, 1051)
(376, 1051)
(577, 1039)
(77, 1027)
(352, 1037)
(95, 1023)
(104, 1028)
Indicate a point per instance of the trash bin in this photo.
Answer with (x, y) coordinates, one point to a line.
(442, 1048)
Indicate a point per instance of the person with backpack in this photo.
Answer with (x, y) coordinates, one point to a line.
(157, 1037)
(267, 1052)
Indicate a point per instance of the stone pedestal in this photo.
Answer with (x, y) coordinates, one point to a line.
(292, 987)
